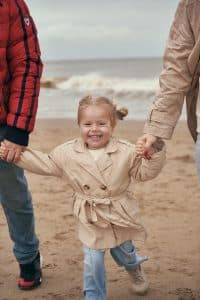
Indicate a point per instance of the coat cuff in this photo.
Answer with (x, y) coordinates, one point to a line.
(17, 136)
(158, 145)
(159, 130)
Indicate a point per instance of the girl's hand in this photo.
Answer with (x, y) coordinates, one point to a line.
(142, 151)
(139, 148)
(148, 153)
(148, 139)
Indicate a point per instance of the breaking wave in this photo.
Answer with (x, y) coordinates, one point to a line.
(94, 82)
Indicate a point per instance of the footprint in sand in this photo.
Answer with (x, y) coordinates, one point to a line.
(73, 261)
(60, 236)
(65, 217)
(57, 296)
(185, 158)
(50, 266)
(184, 294)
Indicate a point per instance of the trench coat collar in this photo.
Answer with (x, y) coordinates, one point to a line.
(97, 168)
(79, 145)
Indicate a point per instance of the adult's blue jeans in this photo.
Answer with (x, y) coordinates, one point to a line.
(94, 279)
(16, 201)
(198, 154)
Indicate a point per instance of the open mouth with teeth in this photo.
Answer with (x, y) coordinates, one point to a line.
(95, 137)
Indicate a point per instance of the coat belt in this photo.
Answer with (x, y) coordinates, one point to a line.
(93, 202)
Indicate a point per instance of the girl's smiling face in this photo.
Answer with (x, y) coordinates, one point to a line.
(95, 126)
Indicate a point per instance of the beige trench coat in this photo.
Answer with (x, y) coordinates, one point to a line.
(104, 205)
(180, 76)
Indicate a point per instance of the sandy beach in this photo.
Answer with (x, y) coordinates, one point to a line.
(170, 206)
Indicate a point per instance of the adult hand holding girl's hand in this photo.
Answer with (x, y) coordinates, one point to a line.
(142, 151)
(10, 151)
(148, 140)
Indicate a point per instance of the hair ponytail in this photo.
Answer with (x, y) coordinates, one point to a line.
(121, 112)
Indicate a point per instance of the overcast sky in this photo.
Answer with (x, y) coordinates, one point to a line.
(80, 29)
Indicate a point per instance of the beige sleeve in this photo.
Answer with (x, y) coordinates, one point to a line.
(39, 163)
(144, 169)
(175, 79)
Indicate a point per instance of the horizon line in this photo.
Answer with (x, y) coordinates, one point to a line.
(100, 58)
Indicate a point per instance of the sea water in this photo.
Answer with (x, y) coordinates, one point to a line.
(129, 82)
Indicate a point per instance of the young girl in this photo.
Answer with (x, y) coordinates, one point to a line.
(99, 167)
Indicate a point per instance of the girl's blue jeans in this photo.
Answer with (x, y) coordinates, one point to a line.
(198, 154)
(16, 201)
(94, 280)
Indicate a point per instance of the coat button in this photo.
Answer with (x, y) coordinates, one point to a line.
(103, 187)
(86, 187)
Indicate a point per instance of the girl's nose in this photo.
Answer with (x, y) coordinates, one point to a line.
(94, 127)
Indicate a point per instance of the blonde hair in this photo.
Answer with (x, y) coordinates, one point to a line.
(116, 112)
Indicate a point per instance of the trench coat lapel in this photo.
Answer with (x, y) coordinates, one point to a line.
(85, 160)
(104, 162)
